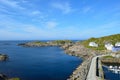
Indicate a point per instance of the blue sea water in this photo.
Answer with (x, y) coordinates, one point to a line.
(36, 63)
(111, 75)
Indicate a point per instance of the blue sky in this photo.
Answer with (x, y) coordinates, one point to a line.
(58, 19)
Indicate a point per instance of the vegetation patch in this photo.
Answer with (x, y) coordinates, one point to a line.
(101, 41)
(108, 57)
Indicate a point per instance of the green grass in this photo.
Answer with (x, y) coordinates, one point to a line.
(101, 41)
(62, 41)
(108, 57)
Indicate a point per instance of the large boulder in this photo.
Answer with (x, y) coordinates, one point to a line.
(4, 77)
(3, 57)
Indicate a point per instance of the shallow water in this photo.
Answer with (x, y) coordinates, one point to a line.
(36, 63)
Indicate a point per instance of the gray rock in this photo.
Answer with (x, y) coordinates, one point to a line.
(3, 57)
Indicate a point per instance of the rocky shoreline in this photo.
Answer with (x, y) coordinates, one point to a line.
(110, 60)
(82, 70)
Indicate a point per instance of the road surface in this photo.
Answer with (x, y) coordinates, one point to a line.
(92, 70)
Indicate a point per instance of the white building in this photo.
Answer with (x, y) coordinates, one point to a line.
(117, 44)
(93, 44)
(116, 48)
(109, 46)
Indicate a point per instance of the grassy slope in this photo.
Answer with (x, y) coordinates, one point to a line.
(101, 41)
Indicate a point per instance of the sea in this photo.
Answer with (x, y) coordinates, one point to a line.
(36, 63)
(111, 74)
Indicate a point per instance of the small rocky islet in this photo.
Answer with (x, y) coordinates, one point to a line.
(49, 43)
(3, 57)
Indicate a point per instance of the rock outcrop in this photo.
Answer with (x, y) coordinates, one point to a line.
(3, 57)
(4, 77)
(79, 50)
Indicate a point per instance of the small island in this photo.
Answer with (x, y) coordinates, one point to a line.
(3, 57)
(49, 43)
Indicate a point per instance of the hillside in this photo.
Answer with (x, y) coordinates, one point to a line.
(102, 40)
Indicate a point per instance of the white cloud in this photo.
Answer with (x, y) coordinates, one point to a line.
(22, 9)
(102, 30)
(51, 24)
(36, 12)
(24, 1)
(13, 4)
(64, 7)
(9, 35)
(86, 9)
(12, 29)
(23, 31)
(32, 29)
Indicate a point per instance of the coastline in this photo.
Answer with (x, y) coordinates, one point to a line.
(73, 49)
(81, 72)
